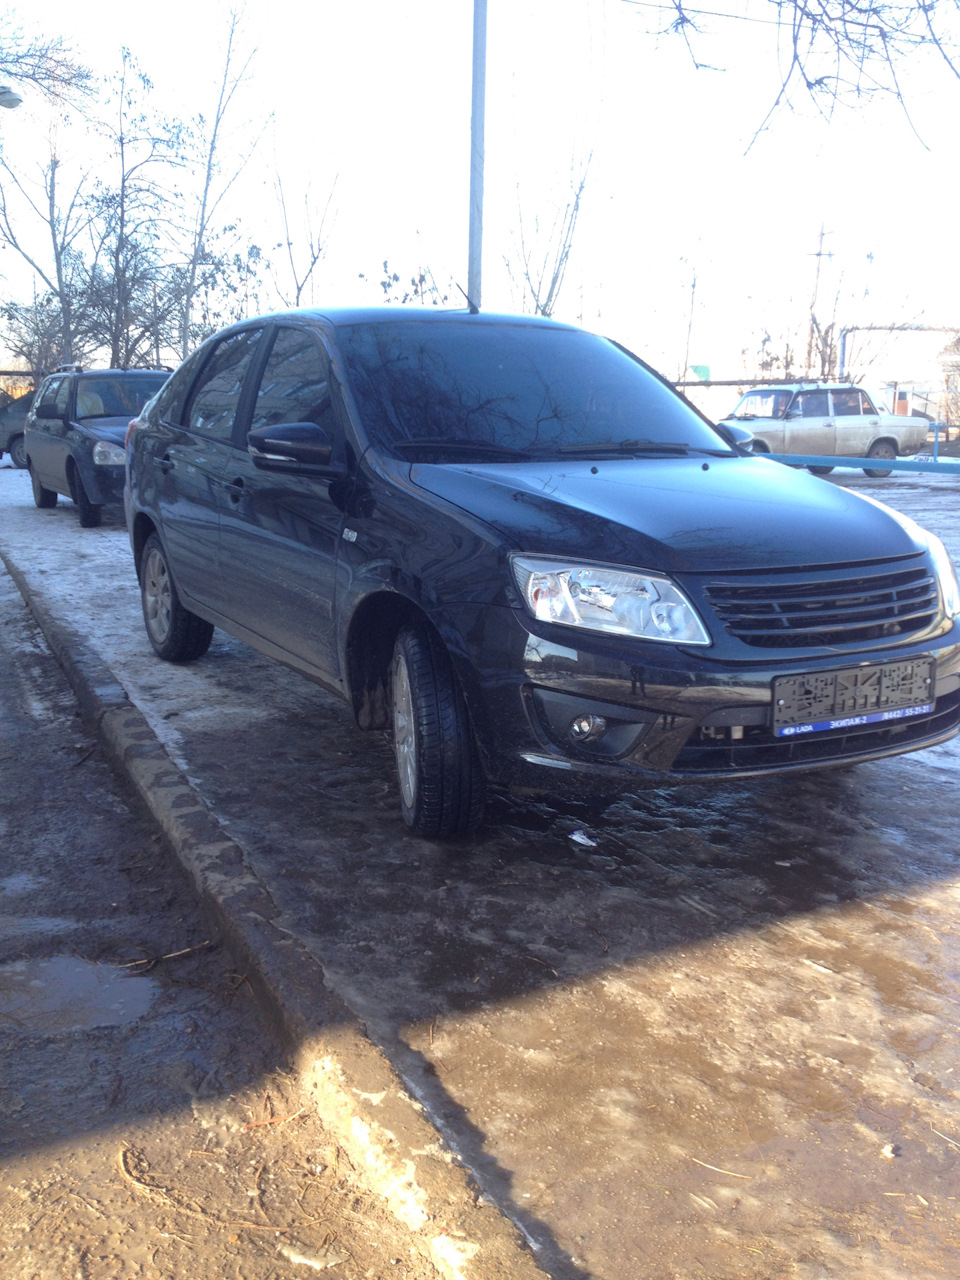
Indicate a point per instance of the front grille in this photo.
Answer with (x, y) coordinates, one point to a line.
(827, 611)
(758, 749)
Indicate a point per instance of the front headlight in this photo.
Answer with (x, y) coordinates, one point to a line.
(106, 454)
(620, 602)
(946, 576)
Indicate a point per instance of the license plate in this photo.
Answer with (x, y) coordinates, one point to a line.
(827, 700)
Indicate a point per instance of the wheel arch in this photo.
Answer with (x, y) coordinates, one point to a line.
(142, 528)
(70, 470)
(892, 441)
(370, 640)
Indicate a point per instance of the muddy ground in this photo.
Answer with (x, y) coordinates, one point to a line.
(148, 1127)
(707, 1032)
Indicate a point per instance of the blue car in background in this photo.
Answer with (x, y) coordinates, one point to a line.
(74, 438)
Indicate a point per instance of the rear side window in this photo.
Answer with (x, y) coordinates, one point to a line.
(847, 404)
(171, 400)
(812, 404)
(216, 397)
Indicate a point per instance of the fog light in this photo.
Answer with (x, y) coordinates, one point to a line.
(587, 728)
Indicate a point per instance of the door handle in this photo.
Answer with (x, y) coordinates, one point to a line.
(166, 463)
(235, 489)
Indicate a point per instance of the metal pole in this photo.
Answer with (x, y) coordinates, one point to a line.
(476, 153)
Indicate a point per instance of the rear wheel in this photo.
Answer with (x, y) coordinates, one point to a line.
(441, 783)
(882, 449)
(820, 471)
(44, 498)
(177, 635)
(18, 452)
(91, 513)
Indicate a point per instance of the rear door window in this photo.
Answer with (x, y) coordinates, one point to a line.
(216, 397)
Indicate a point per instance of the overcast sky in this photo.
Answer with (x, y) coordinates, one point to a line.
(375, 94)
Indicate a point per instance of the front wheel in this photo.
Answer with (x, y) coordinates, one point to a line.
(441, 782)
(820, 471)
(18, 452)
(882, 449)
(91, 513)
(176, 634)
(44, 498)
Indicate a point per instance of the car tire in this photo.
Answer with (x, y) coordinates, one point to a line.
(176, 634)
(18, 452)
(882, 449)
(91, 513)
(44, 498)
(438, 769)
(819, 471)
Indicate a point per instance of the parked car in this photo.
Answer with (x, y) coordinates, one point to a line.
(75, 431)
(13, 415)
(828, 419)
(512, 544)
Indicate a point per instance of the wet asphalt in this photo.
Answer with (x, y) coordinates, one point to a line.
(707, 1031)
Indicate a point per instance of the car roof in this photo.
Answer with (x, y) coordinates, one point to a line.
(338, 317)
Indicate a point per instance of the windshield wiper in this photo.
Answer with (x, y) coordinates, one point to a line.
(462, 446)
(626, 447)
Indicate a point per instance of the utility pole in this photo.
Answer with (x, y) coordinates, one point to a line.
(814, 325)
(476, 153)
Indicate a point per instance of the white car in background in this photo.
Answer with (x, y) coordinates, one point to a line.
(828, 419)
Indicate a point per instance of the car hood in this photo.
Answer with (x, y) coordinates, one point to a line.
(674, 514)
(109, 428)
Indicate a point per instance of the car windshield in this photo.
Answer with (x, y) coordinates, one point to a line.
(766, 403)
(117, 397)
(465, 390)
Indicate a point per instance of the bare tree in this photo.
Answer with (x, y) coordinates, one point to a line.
(203, 256)
(33, 334)
(545, 251)
(65, 219)
(312, 239)
(129, 215)
(422, 287)
(831, 49)
(45, 62)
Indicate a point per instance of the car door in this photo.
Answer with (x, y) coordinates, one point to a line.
(280, 530)
(47, 441)
(810, 428)
(856, 421)
(194, 445)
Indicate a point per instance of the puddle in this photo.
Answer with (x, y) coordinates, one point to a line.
(63, 993)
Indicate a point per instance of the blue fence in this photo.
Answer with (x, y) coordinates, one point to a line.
(936, 466)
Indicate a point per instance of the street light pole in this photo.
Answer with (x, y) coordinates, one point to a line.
(9, 98)
(476, 153)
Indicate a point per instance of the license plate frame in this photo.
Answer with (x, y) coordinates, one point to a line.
(875, 693)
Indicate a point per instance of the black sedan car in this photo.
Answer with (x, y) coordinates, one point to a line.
(74, 435)
(512, 544)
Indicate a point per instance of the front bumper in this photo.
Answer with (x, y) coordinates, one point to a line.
(103, 484)
(667, 715)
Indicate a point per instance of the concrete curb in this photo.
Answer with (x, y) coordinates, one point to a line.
(356, 1091)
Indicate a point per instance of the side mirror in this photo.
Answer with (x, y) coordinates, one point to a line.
(48, 413)
(734, 433)
(288, 444)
